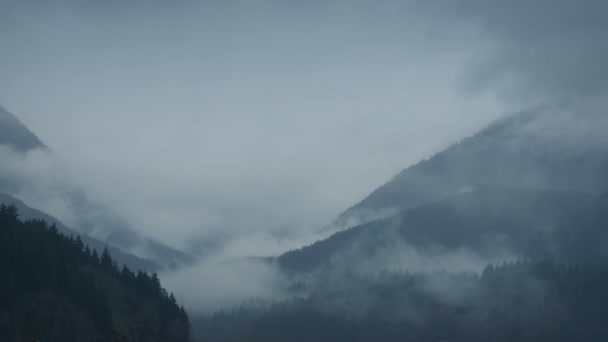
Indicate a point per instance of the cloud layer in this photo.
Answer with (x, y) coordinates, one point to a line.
(241, 127)
(198, 119)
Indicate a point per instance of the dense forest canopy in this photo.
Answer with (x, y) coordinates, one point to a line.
(511, 192)
(120, 256)
(492, 223)
(55, 288)
(541, 300)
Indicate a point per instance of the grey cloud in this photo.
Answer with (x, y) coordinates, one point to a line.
(258, 120)
(207, 117)
(549, 49)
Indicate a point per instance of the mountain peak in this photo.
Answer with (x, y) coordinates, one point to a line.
(16, 135)
(532, 150)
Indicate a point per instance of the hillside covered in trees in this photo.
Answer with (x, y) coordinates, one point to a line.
(530, 150)
(491, 223)
(121, 257)
(407, 263)
(55, 288)
(539, 300)
(97, 225)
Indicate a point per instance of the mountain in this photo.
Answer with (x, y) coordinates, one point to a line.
(116, 232)
(529, 185)
(28, 213)
(117, 236)
(536, 150)
(501, 237)
(96, 220)
(490, 224)
(100, 226)
(54, 288)
(16, 135)
(517, 301)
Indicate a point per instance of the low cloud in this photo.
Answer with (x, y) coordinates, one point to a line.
(255, 124)
(217, 284)
(196, 120)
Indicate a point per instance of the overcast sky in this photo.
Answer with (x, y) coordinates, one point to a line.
(201, 117)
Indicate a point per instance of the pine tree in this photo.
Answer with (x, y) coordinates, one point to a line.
(12, 212)
(79, 243)
(95, 257)
(106, 260)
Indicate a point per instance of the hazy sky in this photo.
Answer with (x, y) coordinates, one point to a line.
(191, 118)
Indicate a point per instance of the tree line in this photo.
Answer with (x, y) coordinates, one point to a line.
(55, 288)
(528, 300)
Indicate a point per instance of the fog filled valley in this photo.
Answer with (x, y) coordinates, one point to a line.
(314, 171)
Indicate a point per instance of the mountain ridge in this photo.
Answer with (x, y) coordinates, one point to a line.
(16, 135)
(116, 232)
(488, 223)
(513, 161)
(28, 213)
(513, 151)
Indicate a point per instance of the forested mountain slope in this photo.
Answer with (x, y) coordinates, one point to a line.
(408, 264)
(54, 288)
(489, 223)
(100, 226)
(520, 301)
(535, 150)
(28, 213)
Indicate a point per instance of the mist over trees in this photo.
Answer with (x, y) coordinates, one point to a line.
(501, 237)
(539, 300)
(550, 148)
(199, 150)
(98, 226)
(491, 223)
(121, 257)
